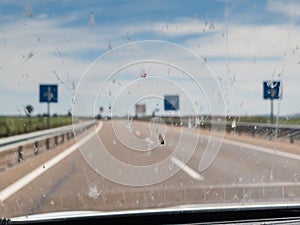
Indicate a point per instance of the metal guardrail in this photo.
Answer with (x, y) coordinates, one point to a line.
(24, 139)
(15, 144)
(280, 131)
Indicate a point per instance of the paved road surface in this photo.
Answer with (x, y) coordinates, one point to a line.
(240, 173)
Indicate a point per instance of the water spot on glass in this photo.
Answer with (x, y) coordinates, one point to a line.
(143, 73)
(233, 124)
(295, 175)
(109, 46)
(38, 38)
(93, 191)
(52, 202)
(92, 22)
(190, 123)
(114, 142)
(148, 153)
(28, 56)
(285, 165)
(235, 197)
(212, 25)
(28, 8)
(291, 194)
(119, 203)
(246, 195)
(129, 125)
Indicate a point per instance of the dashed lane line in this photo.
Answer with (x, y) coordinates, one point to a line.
(188, 170)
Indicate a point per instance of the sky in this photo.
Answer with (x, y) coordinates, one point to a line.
(214, 54)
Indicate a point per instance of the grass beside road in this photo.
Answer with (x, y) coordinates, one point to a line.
(19, 125)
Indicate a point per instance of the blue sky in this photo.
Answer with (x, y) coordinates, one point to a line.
(242, 42)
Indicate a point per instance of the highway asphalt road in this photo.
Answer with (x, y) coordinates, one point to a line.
(147, 174)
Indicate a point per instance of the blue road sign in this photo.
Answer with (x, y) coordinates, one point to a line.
(272, 89)
(48, 92)
(171, 102)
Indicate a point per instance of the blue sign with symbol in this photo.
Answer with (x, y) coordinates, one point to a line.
(171, 102)
(48, 93)
(272, 89)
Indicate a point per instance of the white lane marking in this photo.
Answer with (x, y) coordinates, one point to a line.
(13, 188)
(189, 171)
(262, 149)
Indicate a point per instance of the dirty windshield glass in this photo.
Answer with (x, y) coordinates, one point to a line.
(127, 105)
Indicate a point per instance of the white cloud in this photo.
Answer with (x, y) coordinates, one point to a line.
(253, 52)
(288, 8)
(261, 41)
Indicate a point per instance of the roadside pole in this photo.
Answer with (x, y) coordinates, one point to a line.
(48, 121)
(272, 90)
(272, 111)
(48, 94)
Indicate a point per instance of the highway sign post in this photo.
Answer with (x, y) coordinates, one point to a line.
(48, 94)
(272, 90)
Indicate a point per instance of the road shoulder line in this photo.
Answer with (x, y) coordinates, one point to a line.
(16, 186)
(263, 149)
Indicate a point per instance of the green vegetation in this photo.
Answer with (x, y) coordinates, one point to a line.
(18, 125)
